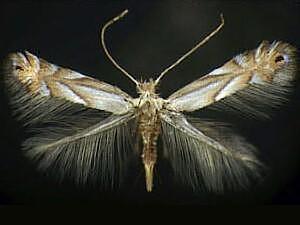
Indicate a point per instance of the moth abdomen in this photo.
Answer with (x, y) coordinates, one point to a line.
(149, 129)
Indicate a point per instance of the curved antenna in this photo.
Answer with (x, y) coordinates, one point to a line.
(110, 22)
(203, 41)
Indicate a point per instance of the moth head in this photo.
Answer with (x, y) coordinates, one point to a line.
(146, 87)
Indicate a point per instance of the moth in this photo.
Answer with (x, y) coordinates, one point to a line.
(89, 130)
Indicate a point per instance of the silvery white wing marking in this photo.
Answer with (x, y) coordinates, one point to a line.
(48, 80)
(254, 78)
(68, 132)
(203, 152)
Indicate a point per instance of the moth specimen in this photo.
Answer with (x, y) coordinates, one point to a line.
(87, 129)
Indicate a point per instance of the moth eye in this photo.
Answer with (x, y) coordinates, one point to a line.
(279, 59)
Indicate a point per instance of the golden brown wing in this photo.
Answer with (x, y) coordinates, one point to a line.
(270, 69)
(46, 79)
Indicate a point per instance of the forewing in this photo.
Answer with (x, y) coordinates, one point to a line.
(208, 155)
(263, 75)
(48, 80)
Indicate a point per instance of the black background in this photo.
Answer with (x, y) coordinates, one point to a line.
(151, 37)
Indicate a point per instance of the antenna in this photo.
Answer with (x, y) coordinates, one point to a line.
(203, 41)
(109, 23)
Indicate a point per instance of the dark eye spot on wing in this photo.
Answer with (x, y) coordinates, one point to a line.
(279, 59)
(17, 67)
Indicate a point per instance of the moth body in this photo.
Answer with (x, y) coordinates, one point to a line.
(85, 128)
(149, 106)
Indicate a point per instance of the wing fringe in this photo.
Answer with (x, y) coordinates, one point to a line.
(100, 156)
(254, 102)
(199, 164)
